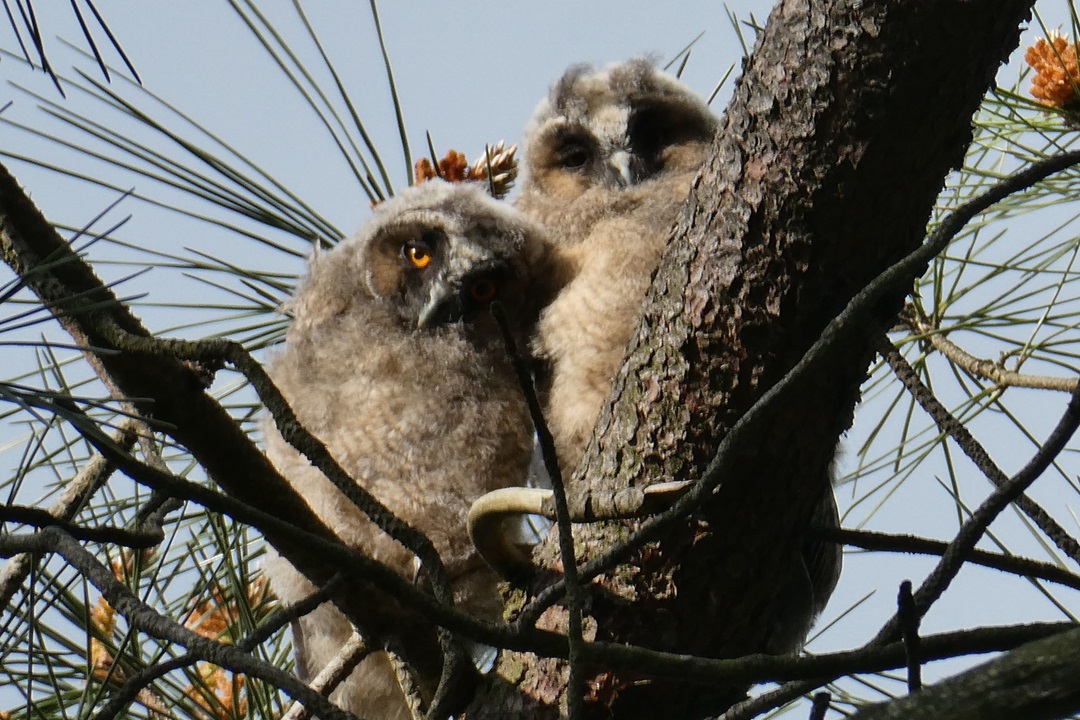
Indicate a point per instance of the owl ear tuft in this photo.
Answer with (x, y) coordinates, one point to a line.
(328, 271)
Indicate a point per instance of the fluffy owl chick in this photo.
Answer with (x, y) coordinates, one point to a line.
(395, 363)
(610, 156)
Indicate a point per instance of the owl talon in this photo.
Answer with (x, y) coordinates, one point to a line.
(511, 558)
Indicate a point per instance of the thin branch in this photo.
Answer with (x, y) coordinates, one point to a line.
(410, 689)
(35, 517)
(1024, 567)
(971, 447)
(352, 653)
(137, 683)
(909, 629)
(979, 367)
(820, 706)
(771, 668)
(972, 530)
(141, 616)
(789, 691)
(575, 694)
(75, 495)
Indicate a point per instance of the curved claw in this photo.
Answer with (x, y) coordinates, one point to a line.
(510, 558)
(488, 533)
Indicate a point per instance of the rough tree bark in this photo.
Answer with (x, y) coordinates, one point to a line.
(838, 138)
(1034, 682)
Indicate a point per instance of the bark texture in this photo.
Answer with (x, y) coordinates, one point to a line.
(841, 131)
(1034, 682)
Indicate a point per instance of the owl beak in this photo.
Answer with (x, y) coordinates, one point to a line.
(621, 163)
(443, 306)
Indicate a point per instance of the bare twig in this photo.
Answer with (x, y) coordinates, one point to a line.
(410, 689)
(36, 517)
(819, 668)
(979, 367)
(143, 617)
(352, 653)
(909, 629)
(820, 706)
(575, 694)
(77, 492)
(972, 530)
(973, 449)
(1024, 567)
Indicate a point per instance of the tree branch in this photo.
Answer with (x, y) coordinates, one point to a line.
(78, 491)
(146, 619)
(972, 530)
(978, 367)
(973, 449)
(1024, 567)
(134, 685)
(1036, 682)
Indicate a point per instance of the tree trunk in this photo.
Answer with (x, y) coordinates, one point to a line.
(1036, 682)
(833, 149)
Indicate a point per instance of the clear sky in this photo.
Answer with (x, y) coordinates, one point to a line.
(469, 73)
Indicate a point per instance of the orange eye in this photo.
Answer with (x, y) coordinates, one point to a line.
(483, 291)
(418, 255)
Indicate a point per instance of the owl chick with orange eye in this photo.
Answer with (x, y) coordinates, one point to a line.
(394, 361)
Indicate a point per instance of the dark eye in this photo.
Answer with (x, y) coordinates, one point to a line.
(571, 147)
(483, 291)
(572, 155)
(650, 131)
(417, 255)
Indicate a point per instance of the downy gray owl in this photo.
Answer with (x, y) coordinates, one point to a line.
(610, 158)
(395, 363)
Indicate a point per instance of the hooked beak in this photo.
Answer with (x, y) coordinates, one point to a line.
(443, 306)
(620, 162)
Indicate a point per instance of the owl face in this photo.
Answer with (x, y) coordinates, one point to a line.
(614, 128)
(435, 255)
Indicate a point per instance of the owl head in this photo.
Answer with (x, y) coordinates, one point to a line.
(613, 128)
(437, 254)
